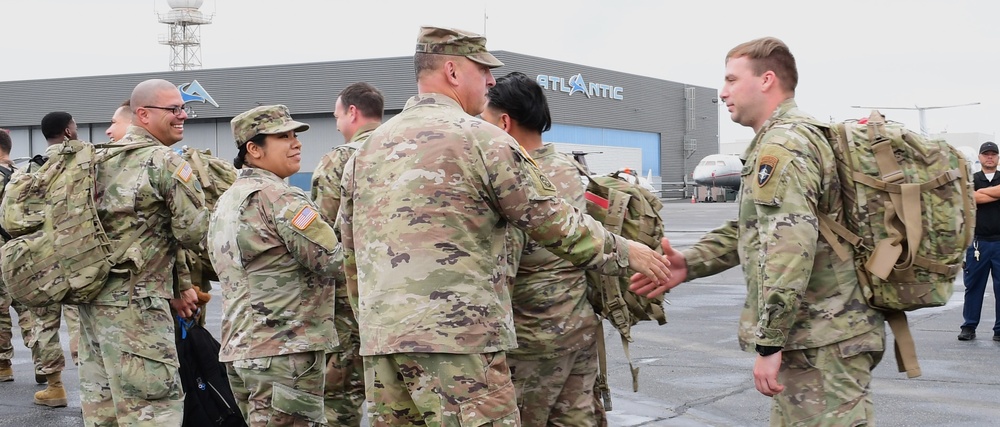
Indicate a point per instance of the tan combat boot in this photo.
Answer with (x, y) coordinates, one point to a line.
(6, 372)
(54, 394)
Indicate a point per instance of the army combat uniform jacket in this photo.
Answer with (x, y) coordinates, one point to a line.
(428, 201)
(552, 315)
(799, 293)
(271, 249)
(326, 194)
(153, 186)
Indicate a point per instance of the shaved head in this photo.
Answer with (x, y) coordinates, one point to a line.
(147, 92)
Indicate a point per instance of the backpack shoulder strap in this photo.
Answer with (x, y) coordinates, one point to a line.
(6, 172)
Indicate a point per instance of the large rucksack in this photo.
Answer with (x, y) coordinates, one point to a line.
(208, 397)
(909, 213)
(631, 211)
(59, 252)
(215, 176)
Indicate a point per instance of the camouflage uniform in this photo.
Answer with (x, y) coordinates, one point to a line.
(40, 330)
(128, 361)
(800, 295)
(428, 201)
(271, 250)
(555, 363)
(46, 350)
(344, 369)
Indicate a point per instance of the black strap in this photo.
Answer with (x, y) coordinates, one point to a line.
(6, 172)
(39, 160)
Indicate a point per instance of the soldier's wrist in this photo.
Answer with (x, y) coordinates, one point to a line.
(767, 350)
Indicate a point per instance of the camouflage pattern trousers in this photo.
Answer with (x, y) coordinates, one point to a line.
(128, 365)
(284, 390)
(440, 390)
(40, 331)
(71, 315)
(345, 371)
(829, 385)
(557, 391)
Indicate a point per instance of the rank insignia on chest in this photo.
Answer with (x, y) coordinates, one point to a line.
(765, 169)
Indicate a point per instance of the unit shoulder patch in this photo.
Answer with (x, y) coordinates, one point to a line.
(765, 169)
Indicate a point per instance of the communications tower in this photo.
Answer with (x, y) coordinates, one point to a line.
(184, 22)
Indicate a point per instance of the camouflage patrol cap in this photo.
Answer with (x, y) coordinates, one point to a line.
(448, 41)
(266, 119)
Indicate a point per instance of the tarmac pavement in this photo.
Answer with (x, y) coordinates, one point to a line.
(692, 372)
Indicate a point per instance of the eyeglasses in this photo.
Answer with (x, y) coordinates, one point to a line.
(175, 110)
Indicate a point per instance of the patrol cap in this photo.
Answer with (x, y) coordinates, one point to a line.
(988, 146)
(266, 119)
(448, 41)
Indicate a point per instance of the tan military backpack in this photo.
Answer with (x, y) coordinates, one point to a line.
(58, 251)
(633, 212)
(909, 214)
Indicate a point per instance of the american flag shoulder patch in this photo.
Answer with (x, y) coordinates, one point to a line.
(184, 172)
(305, 217)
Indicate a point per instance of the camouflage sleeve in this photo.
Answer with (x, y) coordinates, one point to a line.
(183, 194)
(325, 190)
(308, 238)
(528, 199)
(714, 253)
(785, 197)
(345, 223)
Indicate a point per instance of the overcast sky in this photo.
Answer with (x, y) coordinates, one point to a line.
(874, 53)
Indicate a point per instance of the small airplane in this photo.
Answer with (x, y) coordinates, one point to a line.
(719, 170)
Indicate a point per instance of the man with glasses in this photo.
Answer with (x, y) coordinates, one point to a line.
(982, 259)
(128, 360)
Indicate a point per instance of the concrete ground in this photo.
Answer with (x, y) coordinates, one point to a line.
(692, 371)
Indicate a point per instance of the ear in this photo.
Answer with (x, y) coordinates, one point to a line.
(768, 80)
(353, 112)
(254, 150)
(505, 122)
(451, 72)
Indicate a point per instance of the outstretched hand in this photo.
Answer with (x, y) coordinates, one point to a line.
(649, 264)
(643, 285)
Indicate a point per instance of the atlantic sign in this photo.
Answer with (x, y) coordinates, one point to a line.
(576, 84)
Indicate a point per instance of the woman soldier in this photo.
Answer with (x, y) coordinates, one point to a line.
(271, 250)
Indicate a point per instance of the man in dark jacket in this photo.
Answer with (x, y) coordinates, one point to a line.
(983, 258)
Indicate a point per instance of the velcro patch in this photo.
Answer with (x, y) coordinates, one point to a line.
(304, 218)
(184, 172)
(765, 169)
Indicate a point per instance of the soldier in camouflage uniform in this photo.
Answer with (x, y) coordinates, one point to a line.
(120, 121)
(427, 203)
(275, 256)
(35, 322)
(358, 111)
(554, 366)
(816, 337)
(128, 361)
